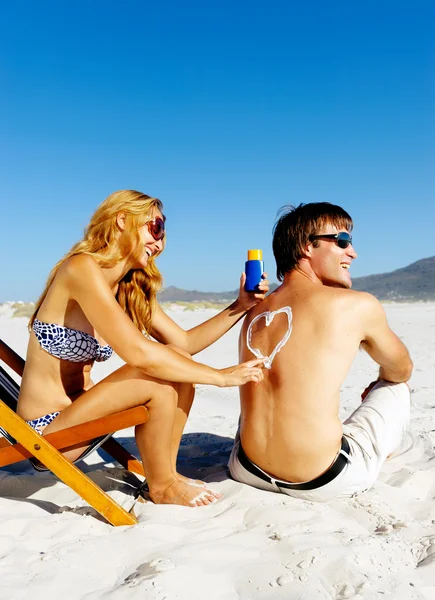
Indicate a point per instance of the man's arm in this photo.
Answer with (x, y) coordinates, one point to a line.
(382, 344)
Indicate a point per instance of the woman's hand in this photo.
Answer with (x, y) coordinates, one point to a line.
(247, 300)
(243, 373)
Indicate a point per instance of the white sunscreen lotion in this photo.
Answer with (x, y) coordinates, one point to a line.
(269, 316)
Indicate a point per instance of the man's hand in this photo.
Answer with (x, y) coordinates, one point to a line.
(372, 385)
(369, 389)
(247, 300)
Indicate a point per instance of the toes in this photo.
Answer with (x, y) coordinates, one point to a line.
(202, 485)
(214, 495)
(197, 502)
(203, 499)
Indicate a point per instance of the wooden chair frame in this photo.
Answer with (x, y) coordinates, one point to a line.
(46, 449)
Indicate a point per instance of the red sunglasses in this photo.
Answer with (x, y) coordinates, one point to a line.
(156, 227)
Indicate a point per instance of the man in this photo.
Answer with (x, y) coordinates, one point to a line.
(290, 438)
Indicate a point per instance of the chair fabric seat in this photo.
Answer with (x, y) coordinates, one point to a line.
(10, 393)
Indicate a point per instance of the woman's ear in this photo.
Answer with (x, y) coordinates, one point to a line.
(120, 220)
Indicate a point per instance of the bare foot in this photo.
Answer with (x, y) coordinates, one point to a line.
(190, 481)
(183, 493)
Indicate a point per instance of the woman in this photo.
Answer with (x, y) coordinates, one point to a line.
(100, 298)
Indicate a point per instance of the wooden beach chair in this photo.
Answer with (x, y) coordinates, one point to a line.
(21, 442)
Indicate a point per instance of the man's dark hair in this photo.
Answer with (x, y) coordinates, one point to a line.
(292, 231)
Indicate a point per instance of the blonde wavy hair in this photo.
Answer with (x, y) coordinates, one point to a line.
(103, 240)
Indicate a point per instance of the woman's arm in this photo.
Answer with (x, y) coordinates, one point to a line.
(165, 330)
(86, 284)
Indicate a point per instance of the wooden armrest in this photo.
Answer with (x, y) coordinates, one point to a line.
(78, 434)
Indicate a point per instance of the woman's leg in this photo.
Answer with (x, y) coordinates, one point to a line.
(185, 395)
(128, 387)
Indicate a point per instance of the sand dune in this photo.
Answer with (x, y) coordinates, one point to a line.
(251, 544)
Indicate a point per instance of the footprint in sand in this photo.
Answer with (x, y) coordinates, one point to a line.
(148, 571)
(426, 555)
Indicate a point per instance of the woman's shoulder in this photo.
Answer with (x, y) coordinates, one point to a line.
(78, 271)
(78, 267)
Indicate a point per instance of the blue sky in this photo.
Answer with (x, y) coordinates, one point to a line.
(226, 111)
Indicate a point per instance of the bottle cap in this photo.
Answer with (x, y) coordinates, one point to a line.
(255, 255)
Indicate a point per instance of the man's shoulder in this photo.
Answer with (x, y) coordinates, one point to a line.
(360, 298)
(358, 303)
(316, 298)
(331, 302)
(352, 297)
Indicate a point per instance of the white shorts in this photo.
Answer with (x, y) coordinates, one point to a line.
(373, 431)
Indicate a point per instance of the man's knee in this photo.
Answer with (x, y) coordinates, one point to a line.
(399, 390)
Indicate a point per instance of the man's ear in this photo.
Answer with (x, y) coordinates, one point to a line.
(120, 220)
(308, 250)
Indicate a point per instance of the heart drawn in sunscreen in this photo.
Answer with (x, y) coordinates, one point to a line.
(269, 316)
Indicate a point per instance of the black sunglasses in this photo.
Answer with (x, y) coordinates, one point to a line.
(156, 227)
(342, 239)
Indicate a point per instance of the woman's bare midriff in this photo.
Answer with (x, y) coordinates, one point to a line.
(49, 384)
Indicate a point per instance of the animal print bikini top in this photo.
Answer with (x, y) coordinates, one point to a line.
(69, 344)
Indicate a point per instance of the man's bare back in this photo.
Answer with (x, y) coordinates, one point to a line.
(290, 421)
(289, 424)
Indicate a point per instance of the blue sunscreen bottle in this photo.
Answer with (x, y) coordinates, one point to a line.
(254, 268)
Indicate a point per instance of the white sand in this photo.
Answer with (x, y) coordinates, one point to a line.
(249, 545)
